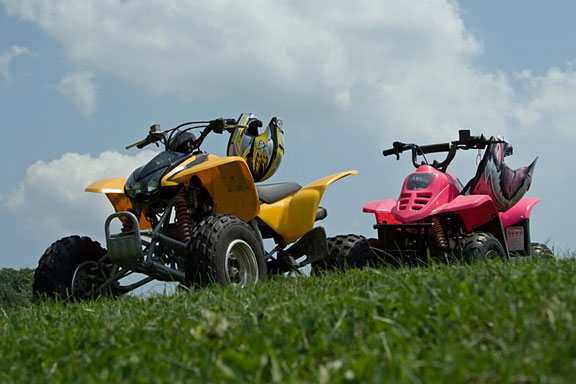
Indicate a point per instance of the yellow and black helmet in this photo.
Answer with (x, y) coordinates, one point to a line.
(262, 151)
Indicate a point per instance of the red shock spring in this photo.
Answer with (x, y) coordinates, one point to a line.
(183, 220)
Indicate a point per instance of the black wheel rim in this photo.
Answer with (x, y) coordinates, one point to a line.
(86, 279)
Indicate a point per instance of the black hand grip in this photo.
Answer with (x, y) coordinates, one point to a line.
(432, 148)
(221, 124)
(388, 152)
(216, 125)
(397, 148)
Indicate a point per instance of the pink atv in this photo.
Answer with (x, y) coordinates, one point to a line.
(437, 219)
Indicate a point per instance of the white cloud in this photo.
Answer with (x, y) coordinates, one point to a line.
(80, 89)
(550, 101)
(391, 69)
(7, 56)
(335, 55)
(51, 198)
(407, 65)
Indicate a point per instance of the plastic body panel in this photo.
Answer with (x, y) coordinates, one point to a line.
(414, 205)
(383, 211)
(294, 215)
(520, 211)
(227, 179)
(113, 188)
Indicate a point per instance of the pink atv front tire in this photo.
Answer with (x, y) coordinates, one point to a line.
(482, 246)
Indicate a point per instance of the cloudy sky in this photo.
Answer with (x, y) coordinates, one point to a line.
(80, 80)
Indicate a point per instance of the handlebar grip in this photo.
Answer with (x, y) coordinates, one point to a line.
(432, 148)
(397, 149)
(388, 152)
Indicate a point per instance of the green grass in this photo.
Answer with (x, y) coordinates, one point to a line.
(482, 323)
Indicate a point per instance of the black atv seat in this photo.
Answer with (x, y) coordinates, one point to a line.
(271, 193)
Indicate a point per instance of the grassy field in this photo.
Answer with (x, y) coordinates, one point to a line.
(482, 323)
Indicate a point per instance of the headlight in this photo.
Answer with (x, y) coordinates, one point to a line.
(419, 181)
(152, 186)
(133, 190)
(143, 187)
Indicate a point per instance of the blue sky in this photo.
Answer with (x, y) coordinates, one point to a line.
(79, 80)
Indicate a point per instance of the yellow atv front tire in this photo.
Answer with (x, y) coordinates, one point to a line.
(224, 250)
(69, 270)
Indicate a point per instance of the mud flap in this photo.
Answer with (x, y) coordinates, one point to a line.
(495, 227)
(518, 238)
(313, 244)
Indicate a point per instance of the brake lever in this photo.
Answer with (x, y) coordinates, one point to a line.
(154, 136)
(140, 144)
(398, 146)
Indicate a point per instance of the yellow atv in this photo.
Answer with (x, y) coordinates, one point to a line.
(191, 217)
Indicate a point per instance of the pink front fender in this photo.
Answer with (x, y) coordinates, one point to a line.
(521, 210)
(475, 210)
(382, 209)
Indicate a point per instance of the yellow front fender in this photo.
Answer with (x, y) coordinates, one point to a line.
(294, 216)
(227, 179)
(113, 188)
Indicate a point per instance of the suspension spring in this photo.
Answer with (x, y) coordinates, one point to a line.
(438, 234)
(183, 220)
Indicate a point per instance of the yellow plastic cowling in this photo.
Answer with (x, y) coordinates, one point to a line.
(113, 188)
(227, 179)
(293, 216)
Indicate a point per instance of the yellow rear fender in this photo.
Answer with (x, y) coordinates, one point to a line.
(113, 188)
(227, 179)
(294, 216)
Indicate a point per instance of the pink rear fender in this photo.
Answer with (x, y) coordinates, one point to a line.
(521, 210)
(382, 209)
